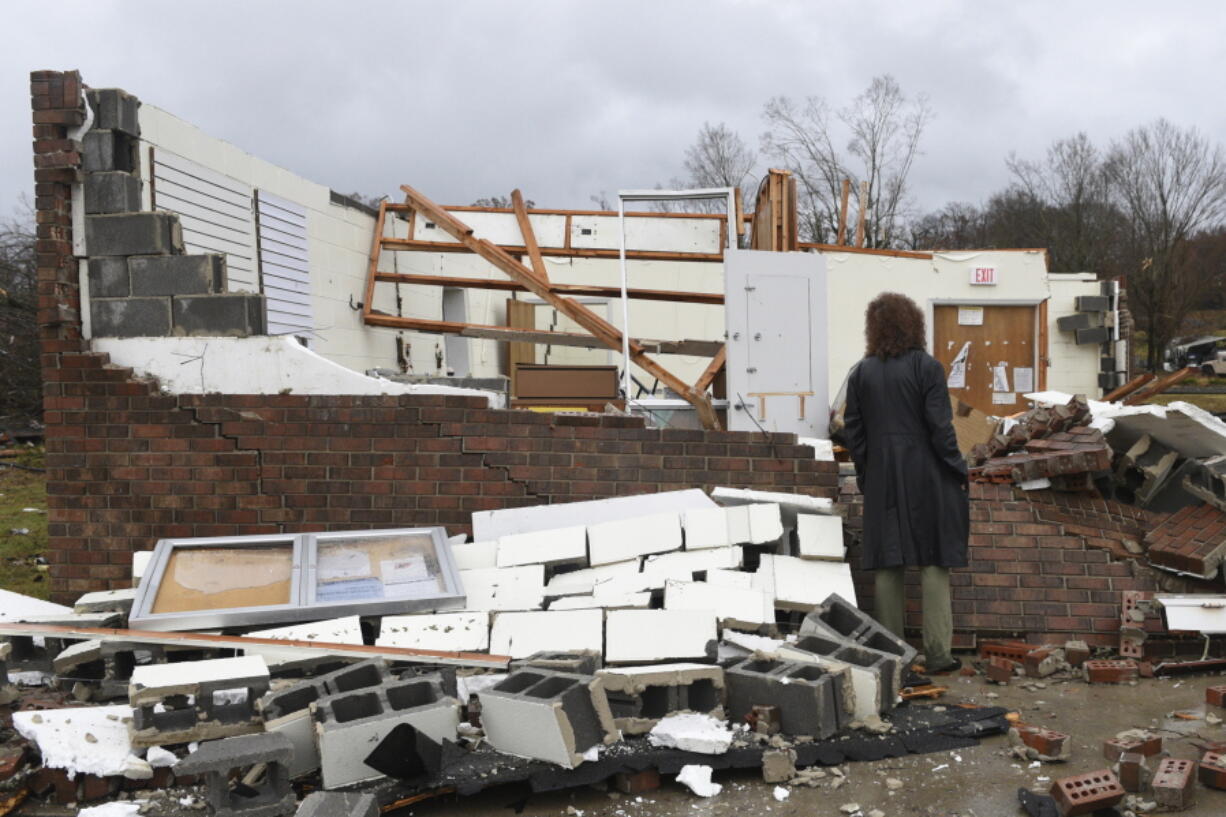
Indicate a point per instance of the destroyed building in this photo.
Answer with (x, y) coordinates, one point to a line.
(230, 350)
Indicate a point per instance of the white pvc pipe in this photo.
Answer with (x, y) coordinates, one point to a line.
(621, 255)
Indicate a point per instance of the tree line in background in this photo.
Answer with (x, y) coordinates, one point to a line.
(1150, 205)
(21, 389)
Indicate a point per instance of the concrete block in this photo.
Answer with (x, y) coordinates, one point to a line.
(559, 546)
(1071, 323)
(351, 724)
(622, 539)
(216, 759)
(106, 601)
(196, 700)
(801, 584)
(577, 662)
(504, 588)
(133, 234)
(1092, 303)
(494, 524)
(234, 314)
(108, 150)
(820, 537)
(519, 635)
(112, 192)
(644, 636)
(811, 699)
(1097, 334)
(585, 580)
(177, 274)
(875, 676)
(639, 697)
(338, 804)
(457, 632)
(108, 277)
(778, 765)
(114, 109)
(547, 715)
(839, 619)
(747, 608)
(130, 317)
(705, 528)
(475, 555)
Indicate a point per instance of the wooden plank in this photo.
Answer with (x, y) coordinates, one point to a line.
(574, 310)
(710, 298)
(376, 247)
(306, 649)
(1044, 351)
(525, 229)
(539, 211)
(927, 256)
(842, 239)
(1154, 389)
(713, 369)
(1128, 388)
(560, 252)
(863, 214)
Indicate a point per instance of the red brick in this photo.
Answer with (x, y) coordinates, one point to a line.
(1046, 742)
(1212, 771)
(1173, 783)
(1115, 748)
(1133, 774)
(1111, 672)
(1216, 695)
(1086, 793)
(999, 670)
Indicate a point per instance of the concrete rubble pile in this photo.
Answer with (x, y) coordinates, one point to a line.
(637, 635)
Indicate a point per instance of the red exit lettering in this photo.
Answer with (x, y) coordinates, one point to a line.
(983, 276)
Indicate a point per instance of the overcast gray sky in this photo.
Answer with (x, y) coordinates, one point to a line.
(565, 99)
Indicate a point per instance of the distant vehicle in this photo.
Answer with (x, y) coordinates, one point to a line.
(1200, 353)
(1216, 365)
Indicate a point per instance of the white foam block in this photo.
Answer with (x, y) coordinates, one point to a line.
(638, 636)
(730, 578)
(737, 519)
(475, 555)
(731, 605)
(15, 606)
(683, 565)
(624, 539)
(765, 523)
(692, 732)
(558, 546)
(60, 737)
(583, 581)
(345, 630)
(792, 502)
(705, 528)
(820, 537)
(503, 588)
(140, 563)
(495, 524)
(209, 670)
(519, 635)
(622, 601)
(456, 632)
(800, 584)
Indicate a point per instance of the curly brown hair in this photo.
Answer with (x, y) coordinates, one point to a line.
(893, 324)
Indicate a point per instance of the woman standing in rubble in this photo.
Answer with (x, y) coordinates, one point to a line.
(899, 429)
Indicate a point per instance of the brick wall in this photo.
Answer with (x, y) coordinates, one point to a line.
(1042, 564)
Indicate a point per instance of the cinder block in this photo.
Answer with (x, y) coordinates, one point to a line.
(639, 697)
(734, 607)
(1097, 334)
(519, 635)
(547, 716)
(1086, 793)
(1212, 770)
(351, 724)
(705, 528)
(875, 676)
(635, 536)
(560, 546)
(108, 150)
(778, 765)
(108, 278)
(455, 632)
(504, 588)
(809, 698)
(1092, 303)
(177, 274)
(111, 192)
(216, 759)
(1174, 783)
(644, 636)
(820, 537)
(130, 317)
(577, 662)
(839, 619)
(338, 804)
(114, 109)
(193, 700)
(231, 314)
(1071, 323)
(133, 234)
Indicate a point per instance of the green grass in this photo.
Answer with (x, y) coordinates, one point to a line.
(19, 568)
(1209, 402)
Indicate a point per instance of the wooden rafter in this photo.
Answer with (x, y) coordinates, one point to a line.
(712, 298)
(1128, 388)
(525, 229)
(608, 334)
(1159, 386)
(713, 369)
(560, 252)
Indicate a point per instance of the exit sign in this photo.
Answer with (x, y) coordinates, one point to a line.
(983, 276)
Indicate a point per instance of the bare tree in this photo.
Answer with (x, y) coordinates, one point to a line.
(21, 394)
(1170, 183)
(883, 130)
(500, 202)
(718, 157)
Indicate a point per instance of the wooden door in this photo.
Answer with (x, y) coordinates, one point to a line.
(1001, 354)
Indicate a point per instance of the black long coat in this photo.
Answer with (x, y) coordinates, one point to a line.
(899, 429)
